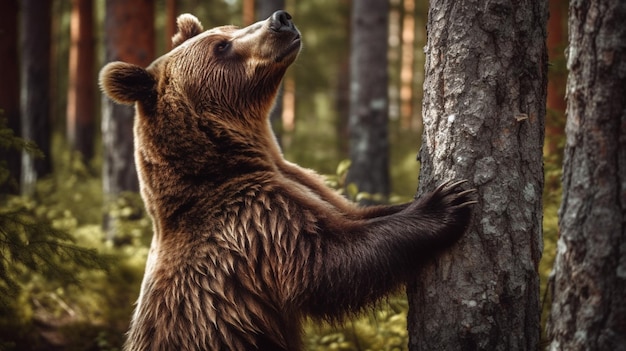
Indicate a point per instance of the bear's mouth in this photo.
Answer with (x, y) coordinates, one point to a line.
(292, 49)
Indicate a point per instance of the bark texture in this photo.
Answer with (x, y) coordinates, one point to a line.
(589, 304)
(367, 123)
(484, 110)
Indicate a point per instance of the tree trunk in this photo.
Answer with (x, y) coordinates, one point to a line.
(35, 30)
(588, 303)
(368, 120)
(10, 90)
(80, 99)
(129, 37)
(484, 110)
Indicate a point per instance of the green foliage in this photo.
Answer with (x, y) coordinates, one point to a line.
(351, 191)
(9, 141)
(381, 330)
(337, 181)
(61, 282)
(129, 220)
(31, 244)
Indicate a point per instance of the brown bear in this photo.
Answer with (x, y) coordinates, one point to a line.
(245, 243)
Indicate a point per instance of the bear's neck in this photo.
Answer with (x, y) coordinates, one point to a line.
(187, 174)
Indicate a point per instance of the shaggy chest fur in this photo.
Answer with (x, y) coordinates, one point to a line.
(235, 282)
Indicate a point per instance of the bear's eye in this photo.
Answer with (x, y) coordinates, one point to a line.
(222, 46)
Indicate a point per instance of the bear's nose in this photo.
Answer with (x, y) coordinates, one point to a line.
(281, 21)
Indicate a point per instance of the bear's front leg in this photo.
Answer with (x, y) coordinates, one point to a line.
(363, 261)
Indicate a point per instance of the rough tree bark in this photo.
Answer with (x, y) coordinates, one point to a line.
(368, 119)
(35, 26)
(484, 109)
(81, 95)
(129, 37)
(588, 303)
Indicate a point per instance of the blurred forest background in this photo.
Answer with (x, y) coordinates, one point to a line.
(73, 232)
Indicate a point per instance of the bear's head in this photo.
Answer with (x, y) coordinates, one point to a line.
(225, 70)
(212, 85)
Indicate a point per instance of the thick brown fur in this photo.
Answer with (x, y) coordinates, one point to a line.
(245, 243)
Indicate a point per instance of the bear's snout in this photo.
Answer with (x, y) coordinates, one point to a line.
(280, 21)
(280, 40)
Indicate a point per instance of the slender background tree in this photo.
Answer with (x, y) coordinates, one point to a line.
(368, 120)
(130, 37)
(80, 123)
(36, 124)
(484, 108)
(589, 301)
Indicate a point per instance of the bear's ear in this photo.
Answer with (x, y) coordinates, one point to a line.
(188, 27)
(126, 83)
